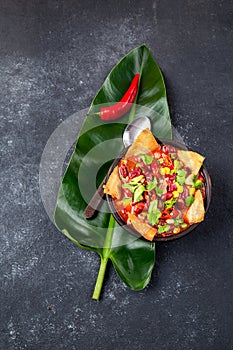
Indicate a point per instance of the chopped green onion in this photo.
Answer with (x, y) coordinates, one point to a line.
(136, 180)
(170, 202)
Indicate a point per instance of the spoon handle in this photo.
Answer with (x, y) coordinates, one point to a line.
(95, 201)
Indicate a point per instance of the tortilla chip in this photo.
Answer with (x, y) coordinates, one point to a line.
(113, 185)
(191, 159)
(144, 143)
(144, 229)
(196, 211)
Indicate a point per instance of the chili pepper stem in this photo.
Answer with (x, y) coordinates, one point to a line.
(92, 114)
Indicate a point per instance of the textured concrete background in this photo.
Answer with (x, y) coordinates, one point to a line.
(53, 58)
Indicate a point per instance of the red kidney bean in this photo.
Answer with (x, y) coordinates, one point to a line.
(138, 208)
(187, 170)
(200, 177)
(127, 193)
(153, 195)
(169, 186)
(154, 168)
(160, 205)
(123, 170)
(166, 196)
(147, 199)
(163, 197)
(165, 149)
(149, 177)
(157, 155)
(171, 149)
(169, 195)
(135, 172)
(180, 203)
(185, 193)
(171, 177)
(174, 213)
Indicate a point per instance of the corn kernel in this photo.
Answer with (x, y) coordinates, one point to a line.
(192, 191)
(167, 170)
(162, 171)
(175, 194)
(180, 188)
(176, 230)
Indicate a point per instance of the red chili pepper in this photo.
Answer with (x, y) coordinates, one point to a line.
(167, 161)
(120, 108)
(166, 214)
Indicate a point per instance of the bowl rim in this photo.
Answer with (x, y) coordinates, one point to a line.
(172, 237)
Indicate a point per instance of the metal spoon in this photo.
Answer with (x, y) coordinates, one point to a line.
(130, 133)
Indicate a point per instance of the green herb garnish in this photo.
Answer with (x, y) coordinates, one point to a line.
(177, 165)
(162, 229)
(198, 184)
(151, 185)
(159, 191)
(126, 201)
(147, 159)
(153, 213)
(178, 221)
(189, 200)
(180, 178)
(138, 193)
(132, 188)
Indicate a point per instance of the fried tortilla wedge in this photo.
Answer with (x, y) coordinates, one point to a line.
(144, 229)
(196, 211)
(193, 160)
(144, 143)
(113, 185)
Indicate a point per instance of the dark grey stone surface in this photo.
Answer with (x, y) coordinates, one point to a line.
(54, 56)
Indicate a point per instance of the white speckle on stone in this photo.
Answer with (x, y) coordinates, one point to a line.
(11, 329)
(20, 271)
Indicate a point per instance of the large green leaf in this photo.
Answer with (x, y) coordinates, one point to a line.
(98, 143)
